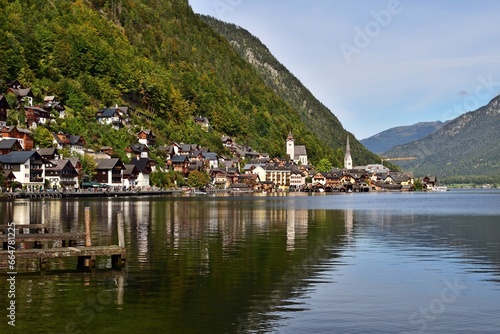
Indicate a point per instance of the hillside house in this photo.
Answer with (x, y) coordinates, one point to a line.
(117, 117)
(24, 95)
(28, 168)
(49, 153)
(24, 136)
(137, 151)
(203, 122)
(146, 137)
(9, 145)
(73, 143)
(51, 103)
(36, 116)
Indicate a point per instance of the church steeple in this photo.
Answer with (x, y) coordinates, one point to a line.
(347, 157)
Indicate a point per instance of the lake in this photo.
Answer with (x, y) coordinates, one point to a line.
(279, 263)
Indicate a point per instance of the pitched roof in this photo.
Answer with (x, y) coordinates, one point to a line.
(108, 163)
(7, 144)
(18, 157)
(140, 163)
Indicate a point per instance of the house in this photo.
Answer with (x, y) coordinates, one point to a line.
(9, 145)
(137, 150)
(297, 179)
(49, 153)
(24, 136)
(117, 117)
(219, 178)
(258, 169)
(62, 174)
(227, 141)
(108, 150)
(429, 181)
(179, 163)
(24, 95)
(144, 167)
(51, 103)
(4, 106)
(28, 168)
(279, 175)
(130, 175)
(146, 137)
(36, 116)
(109, 172)
(73, 143)
(203, 122)
(211, 158)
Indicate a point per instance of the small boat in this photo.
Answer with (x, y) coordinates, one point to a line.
(439, 188)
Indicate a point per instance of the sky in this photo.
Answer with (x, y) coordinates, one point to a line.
(379, 64)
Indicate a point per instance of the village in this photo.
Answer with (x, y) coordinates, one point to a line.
(26, 167)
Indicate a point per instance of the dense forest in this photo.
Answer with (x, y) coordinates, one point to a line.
(161, 60)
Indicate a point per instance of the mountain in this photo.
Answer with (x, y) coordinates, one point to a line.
(168, 66)
(466, 149)
(318, 119)
(400, 135)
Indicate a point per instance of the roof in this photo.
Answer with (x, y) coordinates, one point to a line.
(18, 157)
(60, 165)
(129, 169)
(300, 150)
(141, 164)
(108, 163)
(7, 144)
(47, 151)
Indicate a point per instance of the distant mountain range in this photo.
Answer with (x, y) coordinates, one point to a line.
(400, 135)
(465, 149)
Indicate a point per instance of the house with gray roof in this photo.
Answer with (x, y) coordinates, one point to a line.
(110, 172)
(62, 174)
(27, 166)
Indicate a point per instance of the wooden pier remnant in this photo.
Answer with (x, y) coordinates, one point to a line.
(42, 239)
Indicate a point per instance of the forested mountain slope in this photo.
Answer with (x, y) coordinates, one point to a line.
(466, 149)
(316, 116)
(157, 57)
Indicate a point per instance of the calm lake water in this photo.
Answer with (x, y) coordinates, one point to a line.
(296, 263)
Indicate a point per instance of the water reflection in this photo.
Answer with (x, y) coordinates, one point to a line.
(240, 264)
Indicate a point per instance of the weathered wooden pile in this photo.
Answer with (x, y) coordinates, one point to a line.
(41, 244)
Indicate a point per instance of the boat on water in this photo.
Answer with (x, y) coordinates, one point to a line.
(439, 188)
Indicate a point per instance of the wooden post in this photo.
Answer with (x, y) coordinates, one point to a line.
(88, 239)
(121, 232)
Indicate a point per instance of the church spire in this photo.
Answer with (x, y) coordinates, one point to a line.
(347, 157)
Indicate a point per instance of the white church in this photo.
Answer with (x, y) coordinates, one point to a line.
(297, 153)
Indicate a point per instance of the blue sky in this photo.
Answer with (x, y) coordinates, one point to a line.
(379, 64)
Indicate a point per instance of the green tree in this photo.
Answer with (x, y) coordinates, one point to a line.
(197, 179)
(324, 165)
(43, 137)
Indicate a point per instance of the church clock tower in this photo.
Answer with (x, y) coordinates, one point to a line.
(290, 146)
